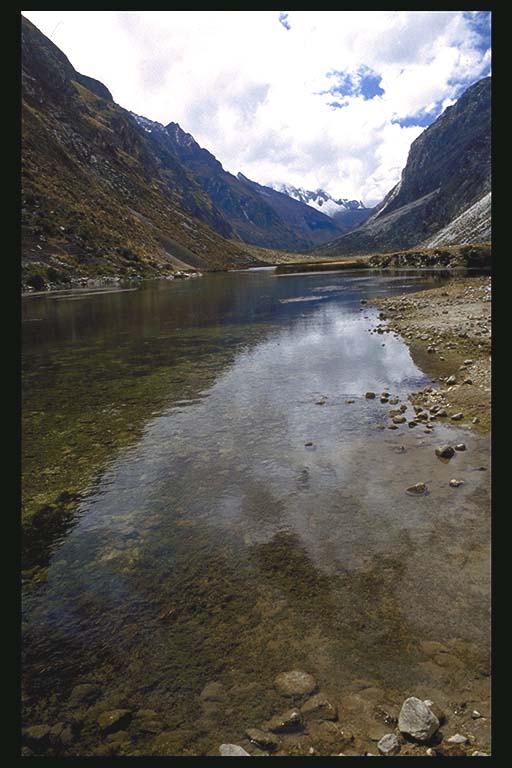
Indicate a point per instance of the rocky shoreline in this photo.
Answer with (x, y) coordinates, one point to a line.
(448, 331)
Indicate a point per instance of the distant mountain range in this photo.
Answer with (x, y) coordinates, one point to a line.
(444, 194)
(323, 201)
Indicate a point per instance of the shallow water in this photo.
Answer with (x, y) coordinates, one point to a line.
(212, 544)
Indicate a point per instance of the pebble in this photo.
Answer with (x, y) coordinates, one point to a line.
(460, 447)
(476, 714)
(455, 483)
(476, 420)
(458, 738)
(232, 750)
(309, 444)
(399, 419)
(349, 402)
(431, 752)
(445, 452)
(417, 489)
(457, 416)
(389, 744)
(476, 753)
(413, 423)
(370, 395)
(467, 381)
(451, 380)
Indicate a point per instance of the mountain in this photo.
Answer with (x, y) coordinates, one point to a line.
(96, 197)
(323, 201)
(444, 193)
(250, 212)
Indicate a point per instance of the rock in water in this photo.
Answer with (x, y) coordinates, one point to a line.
(416, 720)
(115, 720)
(458, 738)
(457, 416)
(454, 483)
(445, 452)
(286, 722)
(263, 739)
(295, 683)
(319, 708)
(232, 750)
(389, 744)
(370, 395)
(399, 419)
(460, 447)
(417, 489)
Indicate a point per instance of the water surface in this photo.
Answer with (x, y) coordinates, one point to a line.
(208, 541)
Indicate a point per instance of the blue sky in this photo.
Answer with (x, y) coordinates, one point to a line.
(328, 99)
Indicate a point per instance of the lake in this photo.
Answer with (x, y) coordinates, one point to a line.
(226, 515)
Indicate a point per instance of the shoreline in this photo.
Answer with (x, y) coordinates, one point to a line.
(448, 332)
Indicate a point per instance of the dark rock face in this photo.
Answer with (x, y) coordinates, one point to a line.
(448, 172)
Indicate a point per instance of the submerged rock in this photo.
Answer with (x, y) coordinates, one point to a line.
(263, 739)
(232, 750)
(85, 693)
(319, 708)
(114, 720)
(370, 395)
(291, 720)
(417, 489)
(295, 683)
(36, 736)
(445, 452)
(417, 720)
(389, 744)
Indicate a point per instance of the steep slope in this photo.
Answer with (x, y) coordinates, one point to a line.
(254, 213)
(96, 199)
(448, 171)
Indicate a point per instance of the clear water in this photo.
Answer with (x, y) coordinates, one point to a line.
(209, 542)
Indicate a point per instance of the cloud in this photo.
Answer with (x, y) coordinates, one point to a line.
(333, 103)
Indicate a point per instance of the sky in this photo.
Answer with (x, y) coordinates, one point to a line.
(317, 99)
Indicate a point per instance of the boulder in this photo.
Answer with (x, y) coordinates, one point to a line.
(417, 720)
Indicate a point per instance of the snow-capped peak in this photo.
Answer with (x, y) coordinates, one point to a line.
(320, 200)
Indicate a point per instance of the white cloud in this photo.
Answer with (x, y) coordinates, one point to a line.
(250, 90)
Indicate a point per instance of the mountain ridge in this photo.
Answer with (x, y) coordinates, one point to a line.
(447, 173)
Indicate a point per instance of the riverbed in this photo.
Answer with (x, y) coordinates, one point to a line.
(230, 506)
